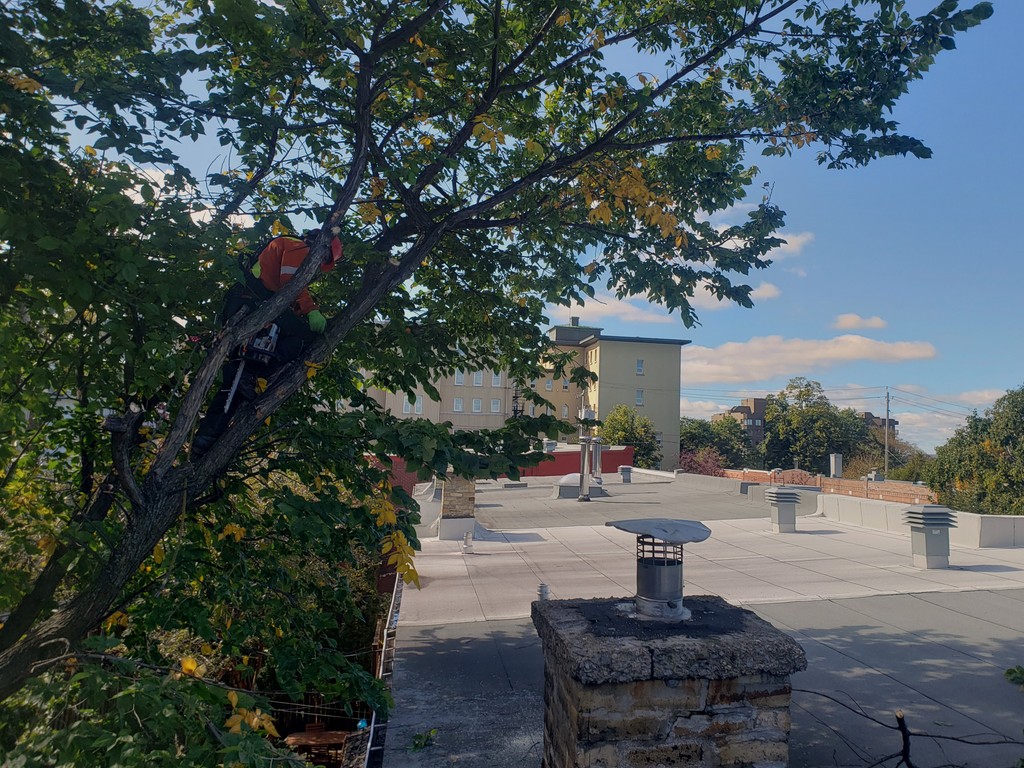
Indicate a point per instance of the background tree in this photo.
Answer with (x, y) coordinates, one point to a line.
(705, 461)
(981, 468)
(725, 436)
(906, 460)
(625, 426)
(802, 428)
(473, 157)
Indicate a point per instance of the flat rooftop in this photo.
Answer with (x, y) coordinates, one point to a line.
(879, 634)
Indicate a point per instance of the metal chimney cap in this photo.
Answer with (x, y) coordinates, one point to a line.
(672, 531)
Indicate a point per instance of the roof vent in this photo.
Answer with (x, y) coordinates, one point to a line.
(659, 563)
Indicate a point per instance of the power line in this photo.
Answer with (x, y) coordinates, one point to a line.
(935, 399)
(932, 408)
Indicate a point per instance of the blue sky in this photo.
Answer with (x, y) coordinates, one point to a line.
(907, 273)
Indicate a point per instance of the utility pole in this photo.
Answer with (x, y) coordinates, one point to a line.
(885, 471)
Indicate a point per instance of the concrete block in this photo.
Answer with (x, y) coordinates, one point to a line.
(874, 516)
(658, 756)
(749, 753)
(454, 528)
(996, 531)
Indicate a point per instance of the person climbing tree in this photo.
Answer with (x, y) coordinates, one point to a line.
(275, 345)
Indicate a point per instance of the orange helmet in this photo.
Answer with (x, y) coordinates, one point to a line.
(336, 250)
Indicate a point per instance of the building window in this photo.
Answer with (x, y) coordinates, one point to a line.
(496, 379)
(495, 405)
(565, 411)
(533, 409)
(460, 378)
(418, 408)
(533, 384)
(565, 385)
(748, 422)
(458, 405)
(639, 366)
(478, 378)
(639, 397)
(406, 405)
(478, 405)
(548, 385)
(757, 422)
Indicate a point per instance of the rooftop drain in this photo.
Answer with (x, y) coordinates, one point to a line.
(659, 563)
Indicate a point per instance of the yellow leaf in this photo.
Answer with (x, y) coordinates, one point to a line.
(233, 698)
(713, 153)
(24, 83)
(207, 649)
(563, 19)
(534, 148)
(235, 531)
(234, 723)
(189, 665)
(116, 619)
(268, 726)
(89, 151)
(419, 93)
(158, 553)
(278, 632)
(277, 228)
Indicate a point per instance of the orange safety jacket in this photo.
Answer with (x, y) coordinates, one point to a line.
(279, 262)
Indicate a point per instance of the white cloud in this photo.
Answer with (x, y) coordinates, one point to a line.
(765, 291)
(605, 305)
(852, 321)
(794, 245)
(979, 398)
(705, 300)
(702, 409)
(769, 357)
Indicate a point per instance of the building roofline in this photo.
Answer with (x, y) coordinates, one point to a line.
(640, 339)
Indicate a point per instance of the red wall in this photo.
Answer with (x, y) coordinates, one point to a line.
(558, 464)
(566, 462)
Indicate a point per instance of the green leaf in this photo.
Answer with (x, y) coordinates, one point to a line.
(49, 243)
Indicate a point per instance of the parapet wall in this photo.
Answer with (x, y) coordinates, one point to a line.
(971, 530)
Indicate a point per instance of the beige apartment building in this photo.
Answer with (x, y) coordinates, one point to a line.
(749, 414)
(642, 373)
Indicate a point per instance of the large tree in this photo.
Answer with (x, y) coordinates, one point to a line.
(626, 426)
(802, 428)
(981, 468)
(725, 436)
(469, 154)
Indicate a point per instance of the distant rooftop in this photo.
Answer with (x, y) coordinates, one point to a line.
(575, 334)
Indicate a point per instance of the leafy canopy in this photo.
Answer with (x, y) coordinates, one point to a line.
(981, 468)
(802, 428)
(625, 426)
(480, 161)
(724, 436)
